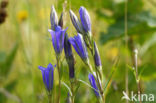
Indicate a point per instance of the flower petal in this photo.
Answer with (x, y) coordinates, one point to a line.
(73, 42)
(54, 41)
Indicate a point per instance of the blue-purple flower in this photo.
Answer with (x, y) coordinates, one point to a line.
(85, 19)
(58, 39)
(80, 47)
(97, 58)
(69, 56)
(93, 84)
(48, 76)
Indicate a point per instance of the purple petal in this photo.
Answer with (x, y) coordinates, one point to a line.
(73, 42)
(41, 68)
(54, 41)
(58, 34)
(85, 19)
(57, 28)
(82, 46)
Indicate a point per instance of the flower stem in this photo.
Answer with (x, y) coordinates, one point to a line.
(136, 70)
(49, 98)
(90, 68)
(126, 47)
(59, 73)
(72, 90)
(103, 99)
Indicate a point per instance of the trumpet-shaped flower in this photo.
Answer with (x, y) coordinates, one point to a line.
(93, 84)
(58, 39)
(80, 47)
(48, 77)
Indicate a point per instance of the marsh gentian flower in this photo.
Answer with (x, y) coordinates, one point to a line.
(53, 18)
(69, 56)
(58, 39)
(48, 77)
(93, 84)
(80, 47)
(77, 24)
(97, 58)
(85, 19)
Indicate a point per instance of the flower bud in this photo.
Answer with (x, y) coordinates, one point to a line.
(85, 19)
(97, 58)
(76, 22)
(53, 18)
(61, 20)
(69, 57)
(80, 47)
(86, 25)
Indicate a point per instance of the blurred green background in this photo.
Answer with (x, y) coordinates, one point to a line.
(25, 44)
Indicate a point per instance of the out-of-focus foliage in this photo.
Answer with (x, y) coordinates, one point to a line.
(138, 24)
(140, 21)
(7, 60)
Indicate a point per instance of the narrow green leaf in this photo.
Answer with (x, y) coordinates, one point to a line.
(63, 83)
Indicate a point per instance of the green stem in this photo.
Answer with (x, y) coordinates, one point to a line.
(49, 99)
(59, 73)
(103, 99)
(72, 90)
(136, 70)
(90, 68)
(126, 47)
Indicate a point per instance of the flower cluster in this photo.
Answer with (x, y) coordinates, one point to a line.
(58, 38)
(83, 26)
(83, 40)
(80, 43)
